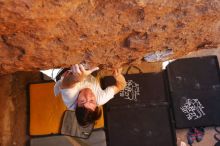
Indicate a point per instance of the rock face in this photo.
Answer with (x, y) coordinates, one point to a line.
(45, 34)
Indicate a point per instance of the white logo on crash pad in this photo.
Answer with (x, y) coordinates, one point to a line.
(131, 91)
(193, 109)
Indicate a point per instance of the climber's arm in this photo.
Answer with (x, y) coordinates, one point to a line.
(120, 81)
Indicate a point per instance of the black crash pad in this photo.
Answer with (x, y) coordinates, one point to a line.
(194, 74)
(194, 109)
(138, 86)
(139, 115)
(195, 91)
(149, 126)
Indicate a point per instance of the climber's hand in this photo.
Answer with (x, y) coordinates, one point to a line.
(117, 72)
(120, 80)
(81, 71)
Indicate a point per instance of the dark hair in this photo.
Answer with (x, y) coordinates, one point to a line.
(86, 116)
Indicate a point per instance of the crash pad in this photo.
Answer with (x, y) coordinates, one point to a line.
(97, 138)
(194, 85)
(143, 88)
(46, 110)
(140, 114)
(140, 126)
(54, 141)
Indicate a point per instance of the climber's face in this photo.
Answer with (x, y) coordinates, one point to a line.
(87, 99)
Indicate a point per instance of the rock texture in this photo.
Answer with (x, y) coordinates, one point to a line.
(45, 34)
(14, 106)
(8, 108)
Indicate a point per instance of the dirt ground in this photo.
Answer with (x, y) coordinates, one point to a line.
(208, 139)
(14, 108)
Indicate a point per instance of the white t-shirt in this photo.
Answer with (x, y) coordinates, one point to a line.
(70, 95)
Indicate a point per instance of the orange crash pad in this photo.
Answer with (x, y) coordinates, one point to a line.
(46, 110)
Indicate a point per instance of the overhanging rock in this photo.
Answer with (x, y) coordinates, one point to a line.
(46, 33)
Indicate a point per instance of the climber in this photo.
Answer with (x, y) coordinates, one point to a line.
(82, 92)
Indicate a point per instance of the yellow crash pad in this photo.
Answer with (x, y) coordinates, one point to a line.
(46, 110)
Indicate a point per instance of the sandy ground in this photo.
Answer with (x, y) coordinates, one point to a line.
(207, 141)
